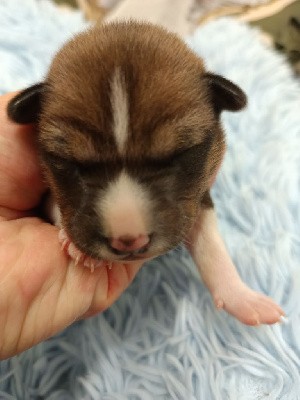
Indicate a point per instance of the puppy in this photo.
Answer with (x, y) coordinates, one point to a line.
(130, 141)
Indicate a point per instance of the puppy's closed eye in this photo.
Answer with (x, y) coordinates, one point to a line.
(59, 163)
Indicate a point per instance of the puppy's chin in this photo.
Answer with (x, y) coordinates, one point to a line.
(136, 257)
(153, 252)
(99, 251)
(103, 253)
(131, 259)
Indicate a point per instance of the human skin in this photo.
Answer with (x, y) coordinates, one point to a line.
(41, 291)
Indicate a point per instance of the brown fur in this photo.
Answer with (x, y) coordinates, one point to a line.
(164, 84)
(175, 143)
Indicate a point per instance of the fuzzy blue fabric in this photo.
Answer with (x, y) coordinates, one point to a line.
(163, 339)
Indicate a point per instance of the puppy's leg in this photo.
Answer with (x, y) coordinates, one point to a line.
(220, 275)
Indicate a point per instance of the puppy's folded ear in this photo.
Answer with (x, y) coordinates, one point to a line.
(225, 94)
(25, 107)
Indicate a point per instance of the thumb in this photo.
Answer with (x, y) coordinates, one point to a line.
(20, 173)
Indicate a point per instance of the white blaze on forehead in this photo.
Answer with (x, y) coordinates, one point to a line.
(124, 207)
(120, 109)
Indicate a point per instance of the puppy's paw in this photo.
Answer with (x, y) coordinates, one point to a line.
(248, 306)
(77, 256)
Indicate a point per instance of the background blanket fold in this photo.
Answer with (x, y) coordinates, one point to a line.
(163, 338)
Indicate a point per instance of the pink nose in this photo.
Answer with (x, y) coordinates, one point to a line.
(128, 243)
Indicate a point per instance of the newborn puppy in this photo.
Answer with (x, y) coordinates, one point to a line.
(130, 141)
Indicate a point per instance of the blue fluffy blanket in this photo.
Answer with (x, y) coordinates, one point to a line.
(164, 339)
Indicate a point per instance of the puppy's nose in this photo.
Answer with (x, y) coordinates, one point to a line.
(129, 244)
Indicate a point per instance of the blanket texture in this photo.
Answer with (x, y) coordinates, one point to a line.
(164, 339)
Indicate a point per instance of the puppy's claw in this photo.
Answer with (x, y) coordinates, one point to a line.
(283, 320)
(92, 267)
(77, 256)
(62, 235)
(73, 251)
(64, 244)
(109, 265)
(77, 260)
(257, 320)
(219, 304)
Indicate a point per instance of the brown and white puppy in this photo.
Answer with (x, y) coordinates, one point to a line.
(130, 140)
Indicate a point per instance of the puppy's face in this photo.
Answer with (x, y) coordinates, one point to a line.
(130, 138)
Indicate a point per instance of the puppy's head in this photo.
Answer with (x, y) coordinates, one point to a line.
(129, 137)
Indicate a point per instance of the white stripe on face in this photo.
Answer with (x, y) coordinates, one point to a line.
(125, 208)
(120, 109)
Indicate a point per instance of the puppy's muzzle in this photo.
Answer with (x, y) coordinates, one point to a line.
(125, 245)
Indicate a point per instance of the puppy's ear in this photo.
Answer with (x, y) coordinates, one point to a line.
(225, 94)
(25, 107)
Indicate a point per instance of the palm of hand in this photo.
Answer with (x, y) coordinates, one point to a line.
(41, 291)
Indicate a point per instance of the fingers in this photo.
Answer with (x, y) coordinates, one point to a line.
(42, 290)
(20, 173)
(7, 214)
(110, 285)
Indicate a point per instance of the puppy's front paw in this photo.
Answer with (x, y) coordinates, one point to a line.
(77, 256)
(248, 306)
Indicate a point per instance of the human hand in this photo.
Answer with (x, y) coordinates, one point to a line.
(41, 291)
